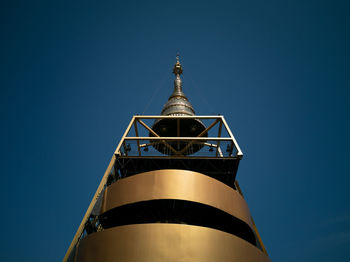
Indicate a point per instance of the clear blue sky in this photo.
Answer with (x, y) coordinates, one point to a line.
(74, 72)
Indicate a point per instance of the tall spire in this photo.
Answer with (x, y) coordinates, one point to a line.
(178, 103)
(177, 70)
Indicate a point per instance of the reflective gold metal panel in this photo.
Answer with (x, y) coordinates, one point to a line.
(166, 243)
(176, 184)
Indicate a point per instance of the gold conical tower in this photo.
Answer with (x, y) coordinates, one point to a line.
(170, 194)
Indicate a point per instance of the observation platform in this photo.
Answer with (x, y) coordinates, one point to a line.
(214, 152)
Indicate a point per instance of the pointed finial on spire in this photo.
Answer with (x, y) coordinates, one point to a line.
(177, 68)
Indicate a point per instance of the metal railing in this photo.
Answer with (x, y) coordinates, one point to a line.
(217, 142)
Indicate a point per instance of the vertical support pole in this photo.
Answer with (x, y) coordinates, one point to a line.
(178, 132)
(219, 135)
(116, 152)
(255, 228)
(137, 135)
(91, 206)
(239, 151)
(259, 237)
(178, 127)
(125, 148)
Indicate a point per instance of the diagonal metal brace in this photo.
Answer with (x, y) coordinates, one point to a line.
(200, 135)
(155, 134)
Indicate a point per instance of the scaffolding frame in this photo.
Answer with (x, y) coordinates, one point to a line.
(122, 150)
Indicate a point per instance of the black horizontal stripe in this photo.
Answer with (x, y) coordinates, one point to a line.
(177, 211)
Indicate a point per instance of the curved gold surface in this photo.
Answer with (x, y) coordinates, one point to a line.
(166, 242)
(176, 184)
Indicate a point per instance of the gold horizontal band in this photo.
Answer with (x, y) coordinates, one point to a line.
(176, 184)
(166, 242)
